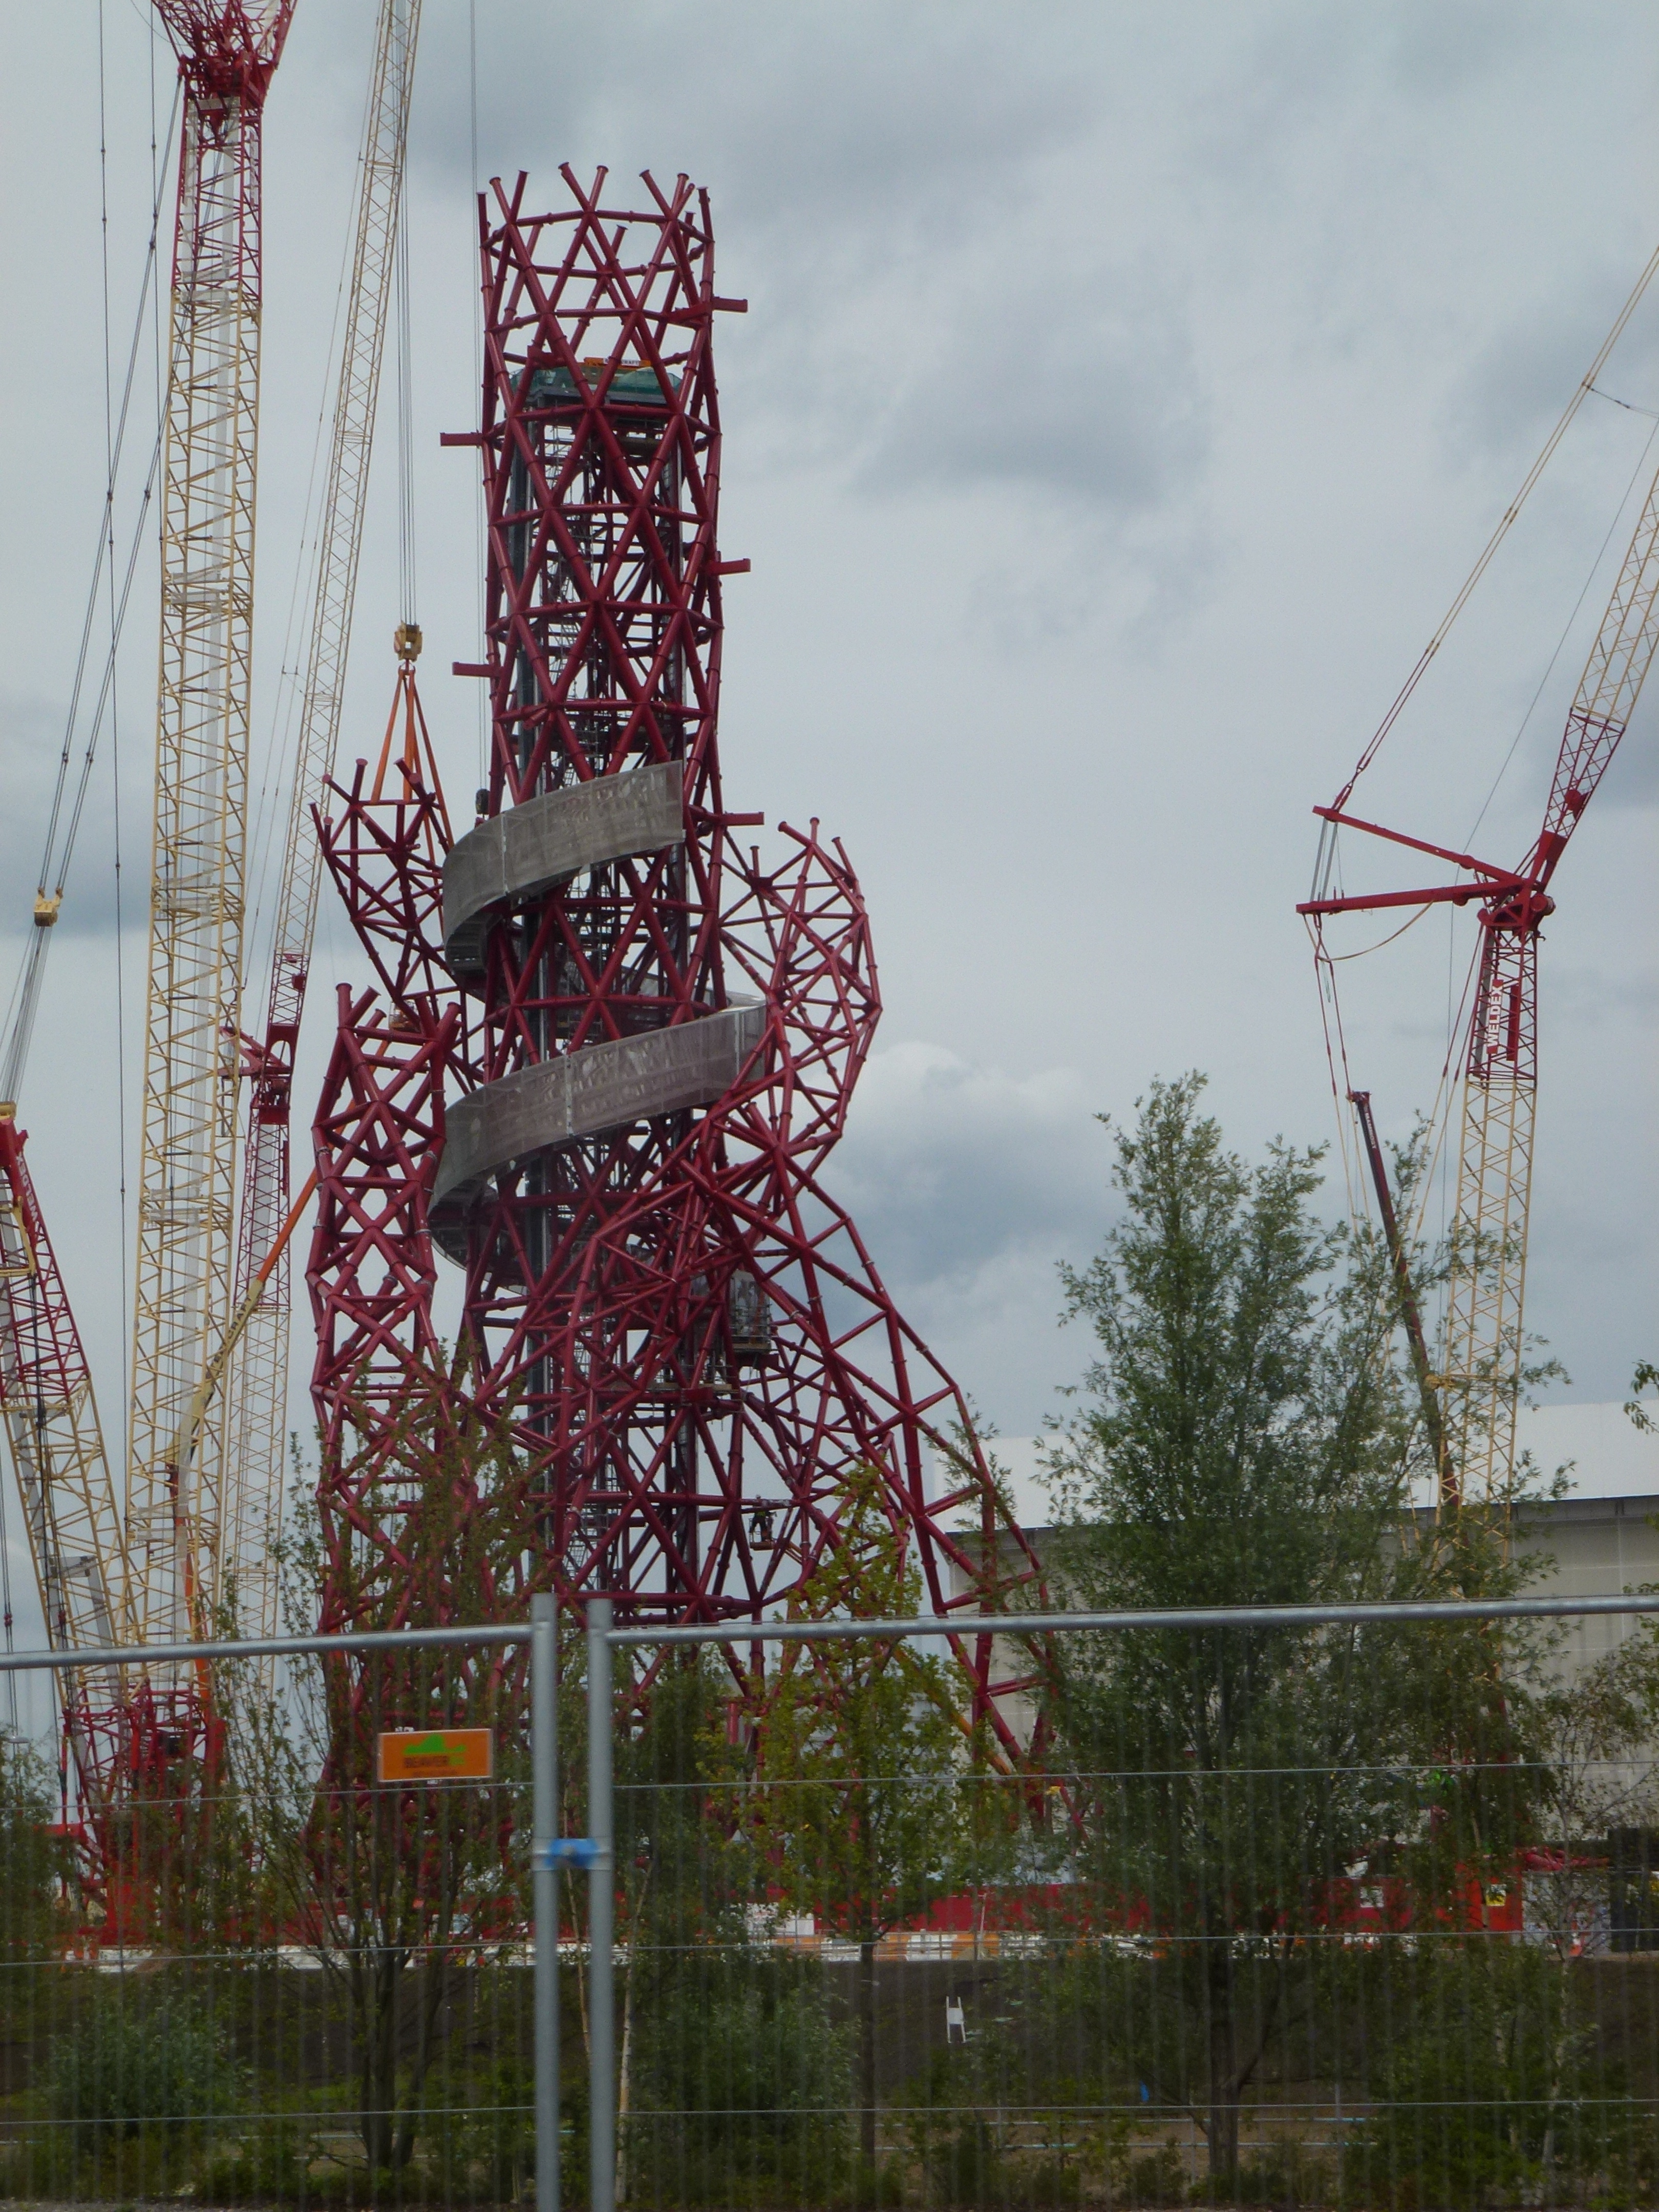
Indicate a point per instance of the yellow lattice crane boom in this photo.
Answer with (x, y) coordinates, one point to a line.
(227, 52)
(250, 1481)
(1483, 1346)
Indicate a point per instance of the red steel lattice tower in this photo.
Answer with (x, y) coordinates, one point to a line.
(683, 1330)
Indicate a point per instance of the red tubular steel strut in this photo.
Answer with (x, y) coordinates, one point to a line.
(698, 1363)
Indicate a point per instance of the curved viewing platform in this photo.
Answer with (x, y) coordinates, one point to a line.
(527, 850)
(586, 1093)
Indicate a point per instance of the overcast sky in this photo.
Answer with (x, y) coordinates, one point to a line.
(1124, 393)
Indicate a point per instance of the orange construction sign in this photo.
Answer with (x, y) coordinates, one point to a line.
(437, 1755)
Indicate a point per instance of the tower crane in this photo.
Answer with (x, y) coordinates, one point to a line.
(187, 1539)
(63, 1476)
(250, 1479)
(227, 51)
(1479, 1375)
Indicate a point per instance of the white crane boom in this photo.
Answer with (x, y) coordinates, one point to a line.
(248, 1443)
(227, 54)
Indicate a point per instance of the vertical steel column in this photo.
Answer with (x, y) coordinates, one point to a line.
(544, 1763)
(601, 1905)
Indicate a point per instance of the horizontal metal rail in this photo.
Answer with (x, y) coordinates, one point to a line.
(1403, 1613)
(260, 1647)
(1400, 1614)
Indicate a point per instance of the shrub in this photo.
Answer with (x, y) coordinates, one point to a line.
(1497, 2090)
(135, 2064)
(1156, 2177)
(752, 2081)
(269, 2163)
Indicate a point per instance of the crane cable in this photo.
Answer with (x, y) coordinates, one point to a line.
(1636, 475)
(270, 814)
(404, 380)
(58, 847)
(26, 994)
(1325, 857)
(1326, 962)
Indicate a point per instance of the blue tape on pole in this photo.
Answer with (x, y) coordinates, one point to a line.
(571, 1852)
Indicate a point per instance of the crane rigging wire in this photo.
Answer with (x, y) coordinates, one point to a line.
(1326, 961)
(1323, 859)
(25, 996)
(404, 380)
(157, 170)
(1577, 605)
(481, 699)
(62, 829)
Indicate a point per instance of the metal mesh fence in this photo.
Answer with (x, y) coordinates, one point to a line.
(1335, 1916)
(1229, 1959)
(255, 1972)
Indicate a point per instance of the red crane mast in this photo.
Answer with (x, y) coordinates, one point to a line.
(1480, 1370)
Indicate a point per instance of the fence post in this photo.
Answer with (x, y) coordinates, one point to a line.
(601, 1911)
(544, 1766)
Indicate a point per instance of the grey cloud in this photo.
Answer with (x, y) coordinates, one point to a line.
(1085, 388)
(1430, 49)
(1632, 778)
(1514, 390)
(967, 1184)
(916, 316)
(843, 110)
(864, 167)
(1068, 692)
(957, 1162)
(1589, 997)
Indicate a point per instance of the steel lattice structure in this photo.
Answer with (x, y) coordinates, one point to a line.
(228, 55)
(144, 1566)
(380, 1380)
(256, 1420)
(63, 1477)
(682, 1331)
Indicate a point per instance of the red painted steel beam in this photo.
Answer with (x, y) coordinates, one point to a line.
(679, 1329)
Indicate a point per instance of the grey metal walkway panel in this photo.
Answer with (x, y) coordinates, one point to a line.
(585, 1093)
(527, 850)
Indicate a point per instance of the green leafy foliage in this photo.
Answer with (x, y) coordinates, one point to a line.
(1498, 2092)
(135, 2061)
(1247, 1441)
(395, 1892)
(858, 1814)
(33, 1861)
(743, 2084)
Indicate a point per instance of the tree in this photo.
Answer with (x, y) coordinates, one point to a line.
(35, 1859)
(1247, 1440)
(1646, 1377)
(680, 1901)
(393, 1888)
(733, 2077)
(864, 1809)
